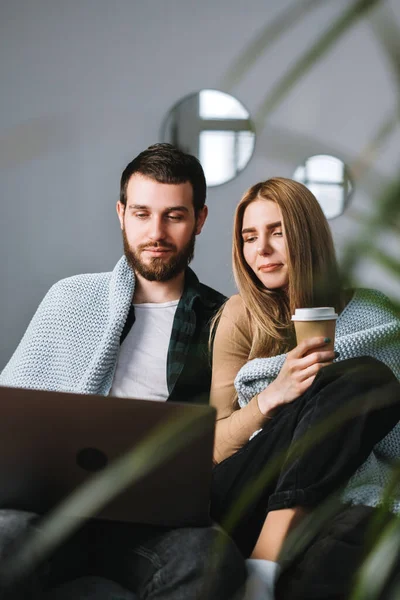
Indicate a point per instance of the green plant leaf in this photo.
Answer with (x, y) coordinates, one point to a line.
(267, 36)
(311, 57)
(378, 565)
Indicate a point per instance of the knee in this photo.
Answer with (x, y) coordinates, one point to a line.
(372, 371)
(14, 525)
(222, 554)
(365, 370)
(213, 541)
(216, 554)
(381, 371)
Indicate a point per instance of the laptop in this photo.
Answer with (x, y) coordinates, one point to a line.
(52, 442)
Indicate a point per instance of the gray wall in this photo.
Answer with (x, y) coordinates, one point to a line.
(85, 85)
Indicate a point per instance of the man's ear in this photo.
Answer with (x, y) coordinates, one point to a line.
(200, 219)
(120, 212)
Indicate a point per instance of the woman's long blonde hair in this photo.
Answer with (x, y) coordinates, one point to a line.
(311, 262)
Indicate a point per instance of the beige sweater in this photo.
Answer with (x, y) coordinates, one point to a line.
(231, 351)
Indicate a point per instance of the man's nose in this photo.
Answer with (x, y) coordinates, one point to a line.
(157, 229)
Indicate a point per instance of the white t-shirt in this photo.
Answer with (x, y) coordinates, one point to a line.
(141, 370)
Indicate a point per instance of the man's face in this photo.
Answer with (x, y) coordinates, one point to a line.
(159, 227)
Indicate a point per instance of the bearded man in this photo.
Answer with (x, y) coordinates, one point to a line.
(140, 331)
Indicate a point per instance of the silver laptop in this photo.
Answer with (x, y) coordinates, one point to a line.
(51, 442)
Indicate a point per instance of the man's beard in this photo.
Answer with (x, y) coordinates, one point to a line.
(158, 268)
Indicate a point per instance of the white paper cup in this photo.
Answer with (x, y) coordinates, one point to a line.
(315, 322)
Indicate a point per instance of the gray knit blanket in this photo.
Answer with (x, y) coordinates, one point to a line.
(73, 340)
(368, 326)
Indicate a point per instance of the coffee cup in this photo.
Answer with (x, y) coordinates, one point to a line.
(315, 322)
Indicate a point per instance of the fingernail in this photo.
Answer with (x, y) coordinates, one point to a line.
(327, 340)
(337, 354)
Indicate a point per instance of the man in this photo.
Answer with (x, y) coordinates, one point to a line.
(139, 331)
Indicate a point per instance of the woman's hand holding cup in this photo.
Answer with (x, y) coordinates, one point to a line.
(299, 370)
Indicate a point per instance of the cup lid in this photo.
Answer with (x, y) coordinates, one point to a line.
(322, 313)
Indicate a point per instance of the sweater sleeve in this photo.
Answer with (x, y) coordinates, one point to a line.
(231, 350)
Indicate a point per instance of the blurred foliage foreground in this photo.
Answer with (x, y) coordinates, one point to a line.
(383, 541)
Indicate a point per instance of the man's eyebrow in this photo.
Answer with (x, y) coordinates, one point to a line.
(269, 226)
(179, 207)
(167, 209)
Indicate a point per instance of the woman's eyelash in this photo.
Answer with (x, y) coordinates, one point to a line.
(253, 238)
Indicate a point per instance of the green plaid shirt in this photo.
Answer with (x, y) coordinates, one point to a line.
(188, 361)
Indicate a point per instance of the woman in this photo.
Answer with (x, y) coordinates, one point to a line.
(283, 259)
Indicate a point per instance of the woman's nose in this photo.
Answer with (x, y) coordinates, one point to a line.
(264, 248)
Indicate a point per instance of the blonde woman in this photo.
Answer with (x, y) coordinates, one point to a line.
(283, 259)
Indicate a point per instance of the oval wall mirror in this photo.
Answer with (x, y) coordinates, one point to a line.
(216, 128)
(328, 178)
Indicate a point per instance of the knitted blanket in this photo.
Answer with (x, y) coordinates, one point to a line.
(368, 326)
(72, 341)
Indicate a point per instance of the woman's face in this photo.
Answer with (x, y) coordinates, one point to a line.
(263, 243)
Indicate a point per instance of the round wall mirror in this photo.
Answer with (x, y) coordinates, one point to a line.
(327, 177)
(216, 128)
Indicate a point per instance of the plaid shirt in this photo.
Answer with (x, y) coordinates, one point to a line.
(188, 361)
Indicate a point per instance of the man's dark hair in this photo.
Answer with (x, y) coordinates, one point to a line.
(166, 164)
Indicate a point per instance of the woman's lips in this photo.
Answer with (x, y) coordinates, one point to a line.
(270, 267)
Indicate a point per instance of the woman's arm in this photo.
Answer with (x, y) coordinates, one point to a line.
(231, 350)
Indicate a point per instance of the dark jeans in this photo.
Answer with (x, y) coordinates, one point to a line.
(306, 479)
(155, 563)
